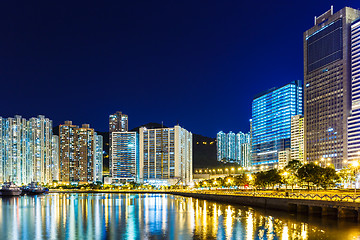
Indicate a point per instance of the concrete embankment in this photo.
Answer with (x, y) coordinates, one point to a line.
(338, 209)
(261, 202)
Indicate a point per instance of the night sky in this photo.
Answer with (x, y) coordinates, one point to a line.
(198, 63)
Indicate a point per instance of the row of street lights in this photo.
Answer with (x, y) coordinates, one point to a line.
(225, 170)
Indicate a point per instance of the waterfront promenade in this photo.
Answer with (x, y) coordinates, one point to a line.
(323, 203)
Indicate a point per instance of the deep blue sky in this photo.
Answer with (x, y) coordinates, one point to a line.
(196, 62)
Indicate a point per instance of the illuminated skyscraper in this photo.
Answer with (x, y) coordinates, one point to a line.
(271, 123)
(55, 156)
(354, 119)
(85, 153)
(79, 154)
(98, 165)
(165, 156)
(230, 147)
(26, 150)
(243, 149)
(297, 138)
(233, 148)
(118, 122)
(327, 79)
(67, 146)
(125, 156)
(221, 146)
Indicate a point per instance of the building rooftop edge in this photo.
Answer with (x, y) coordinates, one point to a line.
(295, 82)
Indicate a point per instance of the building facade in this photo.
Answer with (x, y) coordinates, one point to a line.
(221, 146)
(118, 122)
(354, 119)
(55, 154)
(98, 165)
(327, 80)
(284, 158)
(234, 148)
(297, 138)
(79, 154)
(26, 150)
(243, 149)
(271, 123)
(165, 156)
(125, 157)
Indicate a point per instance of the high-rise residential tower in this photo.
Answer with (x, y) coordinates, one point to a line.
(98, 162)
(67, 152)
(125, 157)
(221, 139)
(354, 119)
(55, 156)
(118, 122)
(271, 123)
(79, 154)
(297, 138)
(165, 156)
(327, 80)
(85, 153)
(243, 149)
(234, 148)
(26, 150)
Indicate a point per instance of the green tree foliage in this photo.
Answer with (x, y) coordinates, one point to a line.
(290, 173)
(328, 177)
(315, 175)
(268, 178)
(241, 180)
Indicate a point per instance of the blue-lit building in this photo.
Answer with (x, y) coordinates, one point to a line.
(125, 157)
(221, 146)
(233, 148)
(271, 123)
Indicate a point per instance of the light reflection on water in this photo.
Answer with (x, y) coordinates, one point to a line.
(154, 216)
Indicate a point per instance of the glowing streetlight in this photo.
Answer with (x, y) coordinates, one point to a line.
(355, 164)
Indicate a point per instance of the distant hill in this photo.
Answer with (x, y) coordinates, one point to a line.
(204, 148)
(149, 126)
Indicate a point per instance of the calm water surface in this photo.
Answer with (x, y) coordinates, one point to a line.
(155, 216)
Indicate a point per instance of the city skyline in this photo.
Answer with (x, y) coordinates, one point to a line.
(74, 57)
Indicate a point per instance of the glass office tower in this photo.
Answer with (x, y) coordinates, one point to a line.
(327, 80)
(271, 123)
